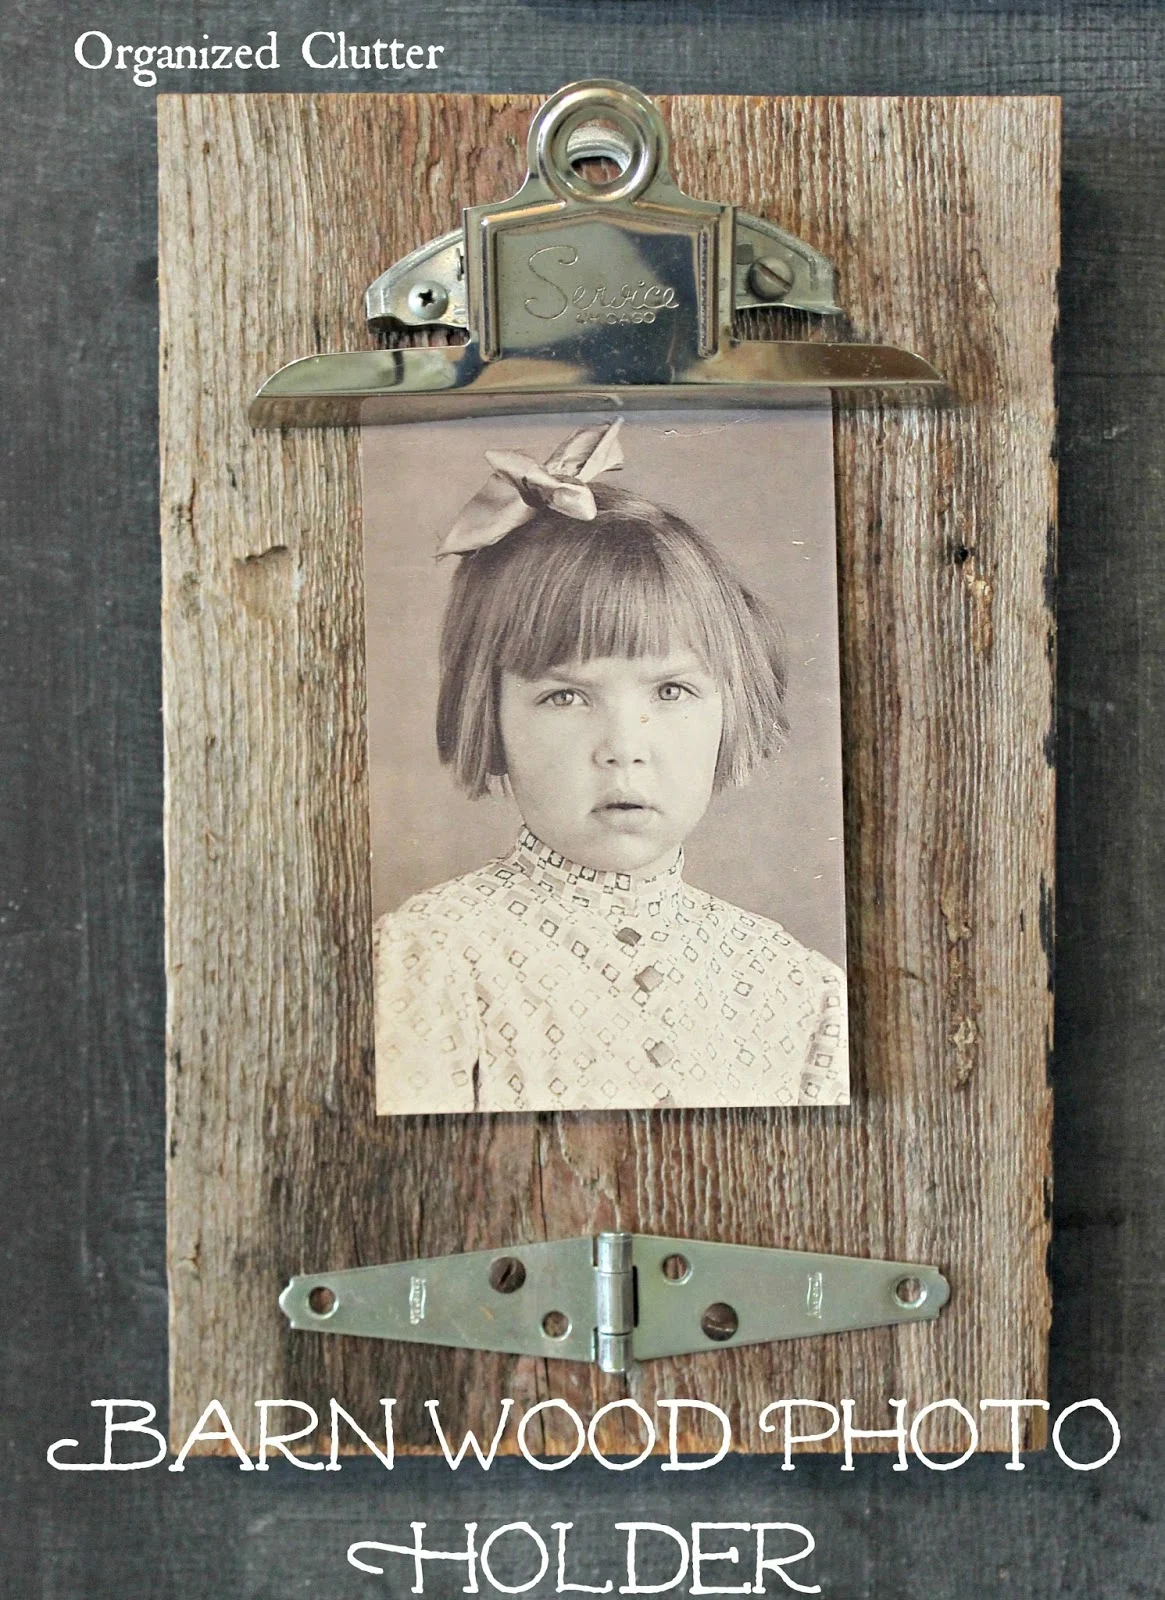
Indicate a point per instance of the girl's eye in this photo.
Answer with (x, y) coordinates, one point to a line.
(561, 697)
(672, 691)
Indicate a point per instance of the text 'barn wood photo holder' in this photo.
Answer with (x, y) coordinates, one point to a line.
(708, 546)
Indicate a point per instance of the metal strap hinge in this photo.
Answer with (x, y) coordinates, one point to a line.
(615, 1298)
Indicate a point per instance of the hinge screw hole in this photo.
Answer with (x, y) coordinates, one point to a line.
(556, 1324)
(676, 1268)
(910, 1293)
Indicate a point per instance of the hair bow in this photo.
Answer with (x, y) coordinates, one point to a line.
(520, 487)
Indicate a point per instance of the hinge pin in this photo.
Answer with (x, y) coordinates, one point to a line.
(614, 1301)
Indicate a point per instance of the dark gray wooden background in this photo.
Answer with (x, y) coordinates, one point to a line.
(81, 995)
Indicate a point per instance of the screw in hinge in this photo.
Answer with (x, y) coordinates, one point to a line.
(507, 1274)
(720, 1321)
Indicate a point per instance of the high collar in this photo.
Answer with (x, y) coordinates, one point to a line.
(611, 893)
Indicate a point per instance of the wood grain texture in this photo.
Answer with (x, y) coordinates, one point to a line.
(942, 218)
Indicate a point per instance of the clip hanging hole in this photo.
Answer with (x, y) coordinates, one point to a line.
(506, 1274)
(719, 1322)
(322, 1300)
(599, 121)
(599, 151)
(910, 1293)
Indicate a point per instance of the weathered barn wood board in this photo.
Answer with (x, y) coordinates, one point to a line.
(942, 218)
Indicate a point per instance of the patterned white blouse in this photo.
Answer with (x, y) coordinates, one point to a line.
(533, 984)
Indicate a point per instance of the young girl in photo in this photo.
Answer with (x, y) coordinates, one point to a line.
(601, 661)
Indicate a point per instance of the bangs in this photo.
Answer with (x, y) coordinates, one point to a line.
(621, 589)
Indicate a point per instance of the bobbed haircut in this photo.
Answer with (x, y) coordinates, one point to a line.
(636, 581)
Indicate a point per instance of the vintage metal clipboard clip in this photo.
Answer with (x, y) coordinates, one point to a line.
(614, 1299)
(579, 296)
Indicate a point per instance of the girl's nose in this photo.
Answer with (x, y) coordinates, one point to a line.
(622, 740)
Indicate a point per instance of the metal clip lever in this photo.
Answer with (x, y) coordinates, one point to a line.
(591, 296)
(615, 1298)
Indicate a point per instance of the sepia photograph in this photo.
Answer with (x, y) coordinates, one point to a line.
(605, 763)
